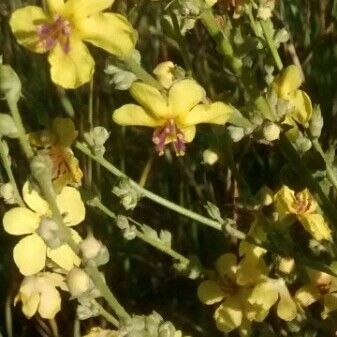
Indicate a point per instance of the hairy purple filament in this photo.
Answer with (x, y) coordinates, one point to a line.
(169, 133)
(58, 31)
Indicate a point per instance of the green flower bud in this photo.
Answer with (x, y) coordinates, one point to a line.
(271, 131)
(210, 157)
(316, 122)
(10, 84)
(167, 329)
(7, 126)
(7, 193)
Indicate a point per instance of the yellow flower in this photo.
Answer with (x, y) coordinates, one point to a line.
(305, 208)
(322, 287)
(56, 144)
(63, 28)
(235, 310)
(174, 117)
(287, 86)
(38, 293)
(22, 221)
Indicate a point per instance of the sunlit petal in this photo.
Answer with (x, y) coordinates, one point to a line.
(31, 246)
(50, 303)
(55, 6)
(189, 133)
(288, 81)
(20, 220)
(307, 295)
(185, 95)
(72, 69)
(316, 226)
(30, 305)
(34, 200)
(111, 32)
(226, 266)
(24, 23)
(210, 292)
(83, 8)
(131, 114)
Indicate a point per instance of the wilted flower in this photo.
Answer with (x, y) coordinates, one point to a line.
(174, 117)
(22, 221)
(287, 86)
(322, 287)
(56, 144)
(63, 28)
(38, 293)
(304, 207)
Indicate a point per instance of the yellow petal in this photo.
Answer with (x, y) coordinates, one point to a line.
(29, 307)
(286, 308)
(65, 130)
(316, 226)
(24, 22)
(216, 113)
(302, 111)
(245, 329)
(250, 270)
(151, 99)
(71, 206)
(20, 220)
(264, 294)
(228, 316)
(82, 8)
(131, 114)
(189, 133)
(185, 95)
(288, 81)
(284, 200)
(109, 31)
(307, 295)
(210, 292)
(34, 200)
(73, 69)
(64, 256)
(50, 303)
(55, 6)
(330, 304)
(31, 246)
(226, 266)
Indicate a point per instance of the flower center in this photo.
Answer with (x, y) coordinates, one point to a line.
(57, 31)
(169, 133)
(228, 286)
(302, 204)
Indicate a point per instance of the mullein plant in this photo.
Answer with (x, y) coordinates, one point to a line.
(245, 286)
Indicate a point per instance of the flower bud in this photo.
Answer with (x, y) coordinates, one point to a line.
(7, 126)
(10, 84)
(166, 330)
(164, 73)
(210, 157)
(7, 192)
(271, 131)
(265, 196)
(236, 133)
(90, 248)
(78, 282)
(41, 168)
(316, 122)
(49, 232)
(286, 265)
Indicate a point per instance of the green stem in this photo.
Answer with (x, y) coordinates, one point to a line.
(105, 292)
(271, 44)
(110, 318)
(155, 243)
(147, 194)
(141, 73)
(329, 170)
(7, 165)
(224, 46)
(252, 20)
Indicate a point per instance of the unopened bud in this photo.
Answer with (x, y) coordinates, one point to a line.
(49, 232)
(210, 157)
(90, 247)
(236, 133)
(166, 330)
(78, 282)
(316, 122)
(7, 192)
(271, 131)
(265, 196)
(10, 84)
(164, 73)
(286, 265)
(7, 126)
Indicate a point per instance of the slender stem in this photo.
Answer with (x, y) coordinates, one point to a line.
(329, 170)
(155, 243)
(7, 165)
(23, 138)
(54, 327)
(252, 21)
(105, 291)
(110, 318)
(147, 194)
(224, 46)
(141, 73)
(271, 44)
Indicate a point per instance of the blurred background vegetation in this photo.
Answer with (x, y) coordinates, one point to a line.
(142, 278)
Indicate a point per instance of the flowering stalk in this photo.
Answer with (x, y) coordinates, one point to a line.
(7, 165)
(106, 314)
(155, 243)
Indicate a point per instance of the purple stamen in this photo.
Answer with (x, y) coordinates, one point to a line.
(52, 33)
(167, 134)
